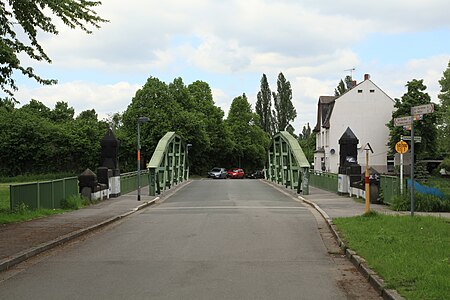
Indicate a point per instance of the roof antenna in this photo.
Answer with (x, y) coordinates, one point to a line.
(351, 72)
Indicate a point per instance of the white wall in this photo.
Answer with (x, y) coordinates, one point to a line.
(366, 114)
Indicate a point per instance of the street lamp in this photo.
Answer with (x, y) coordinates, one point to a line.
(187, 158)
(139, 121)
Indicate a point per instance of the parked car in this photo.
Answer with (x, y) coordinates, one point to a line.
(220, 173)
(236, 173)
(256, 174)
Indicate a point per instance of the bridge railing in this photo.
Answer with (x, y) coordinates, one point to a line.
(129, 182)
(45, 194)
(169, 164)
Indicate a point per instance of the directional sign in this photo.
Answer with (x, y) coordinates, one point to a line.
(402, 121)
(417, 139)
(401, 147)
(423, 109)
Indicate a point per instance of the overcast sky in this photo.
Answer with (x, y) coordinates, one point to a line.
(230, 44)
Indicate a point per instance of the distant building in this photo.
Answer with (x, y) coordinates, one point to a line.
(366, 110)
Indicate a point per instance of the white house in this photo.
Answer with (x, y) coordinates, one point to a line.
(366, 110)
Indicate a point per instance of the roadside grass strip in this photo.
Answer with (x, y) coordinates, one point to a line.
(410, 253)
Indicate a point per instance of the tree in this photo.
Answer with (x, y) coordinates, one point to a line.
(426, 128)
(264, 106)
(306, 132)
(343, 87)
(251, 142)
(444, 97)
(284, 109)
(31, 17)
(62, 112)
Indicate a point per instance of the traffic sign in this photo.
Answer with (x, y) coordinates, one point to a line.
(423, 109)
(401, 147)
(402, 121)
(417, 139)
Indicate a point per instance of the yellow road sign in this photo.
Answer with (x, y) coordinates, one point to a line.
(401, 147)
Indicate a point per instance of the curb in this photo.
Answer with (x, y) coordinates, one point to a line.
(360, 263)
(11, 261)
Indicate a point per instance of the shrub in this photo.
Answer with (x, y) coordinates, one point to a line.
(422, 202)
(21, 209)
(74, 202)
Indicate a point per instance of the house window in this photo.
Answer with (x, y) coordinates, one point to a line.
(360, 91)
(372, 91)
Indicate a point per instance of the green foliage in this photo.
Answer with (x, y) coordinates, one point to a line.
(425, 128)
(187, 110)
(7, 216)
(74, 202)
(36, 139)
(444, 97)
(422, 202)
(20, 22)
(410, 254)
(250, 141)
(342, 87)
(307, 141)
(4, 197)
(284, 109)
(264, 107)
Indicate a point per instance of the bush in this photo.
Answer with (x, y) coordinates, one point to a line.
(21, 209)
(422, 202)
(74, 202)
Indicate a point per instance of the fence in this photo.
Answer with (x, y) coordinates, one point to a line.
(390, 185)
(325, 181)
(128, 181)
(46, 194)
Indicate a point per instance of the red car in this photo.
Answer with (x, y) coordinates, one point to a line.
(236, 173)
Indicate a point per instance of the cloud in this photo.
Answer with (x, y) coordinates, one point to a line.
(105, 99)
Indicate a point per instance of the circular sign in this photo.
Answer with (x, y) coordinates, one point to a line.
(401, 147)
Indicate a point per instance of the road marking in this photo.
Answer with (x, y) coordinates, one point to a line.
(229, 207)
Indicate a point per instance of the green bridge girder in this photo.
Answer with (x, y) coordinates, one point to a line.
(287, 164)
(169, 163)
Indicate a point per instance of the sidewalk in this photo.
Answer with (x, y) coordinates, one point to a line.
(336, 206)
(23, 240)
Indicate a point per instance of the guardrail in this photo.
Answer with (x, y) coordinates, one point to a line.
(45, 194)
(325, 181)
(128, 181)
(389, 185)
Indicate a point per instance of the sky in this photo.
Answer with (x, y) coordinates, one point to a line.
(229, 44)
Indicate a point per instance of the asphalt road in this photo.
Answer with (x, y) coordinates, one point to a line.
(214, 239)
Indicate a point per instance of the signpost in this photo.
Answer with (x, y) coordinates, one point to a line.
(417, 139)
(401, 147)
(416, 114)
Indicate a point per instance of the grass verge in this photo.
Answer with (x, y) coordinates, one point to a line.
(4, 196)
(7, 216)
(410, 254)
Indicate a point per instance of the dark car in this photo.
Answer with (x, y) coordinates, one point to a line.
(236, 173)
(256, 174)
(220, 173)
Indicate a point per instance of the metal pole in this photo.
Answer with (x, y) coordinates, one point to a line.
(401, 169)
(138, 164)
(367, 183)
(412, 163)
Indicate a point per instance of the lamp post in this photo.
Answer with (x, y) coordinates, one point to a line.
(139, 121)
(187, 159)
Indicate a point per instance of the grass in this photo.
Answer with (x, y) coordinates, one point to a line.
(7, 217)
(34, 177)
(4, 196)
(410, 253)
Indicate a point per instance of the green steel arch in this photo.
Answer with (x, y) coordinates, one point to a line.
(169, 163)
(287, 164)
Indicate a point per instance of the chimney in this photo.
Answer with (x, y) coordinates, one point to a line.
(366, 76)
(353, 83)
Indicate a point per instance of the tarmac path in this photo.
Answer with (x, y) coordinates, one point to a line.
(222, 239)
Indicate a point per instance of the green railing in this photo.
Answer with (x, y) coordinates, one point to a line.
(128, 181)
(390, 187)
(325, 181)
(46, 194)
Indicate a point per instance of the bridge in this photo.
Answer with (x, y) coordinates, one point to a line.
(287, 163)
